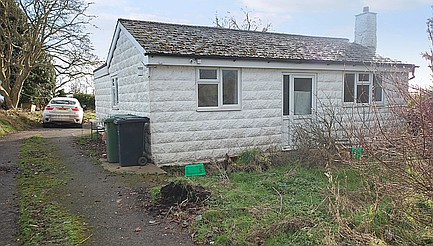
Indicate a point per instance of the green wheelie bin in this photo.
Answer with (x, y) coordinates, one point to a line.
(112, 139)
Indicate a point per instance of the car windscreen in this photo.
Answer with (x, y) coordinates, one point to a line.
(64, 102)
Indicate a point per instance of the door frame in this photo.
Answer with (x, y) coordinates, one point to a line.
(290, 120)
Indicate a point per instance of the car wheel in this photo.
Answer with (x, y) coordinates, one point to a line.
(45, 125)
(79, 125)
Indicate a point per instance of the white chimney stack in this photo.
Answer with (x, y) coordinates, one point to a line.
(365, 29)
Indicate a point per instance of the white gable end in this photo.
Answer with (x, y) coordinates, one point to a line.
(120, 29)
(122, 85)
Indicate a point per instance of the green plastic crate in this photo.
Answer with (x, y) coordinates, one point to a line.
(357, 152)
(195, 170)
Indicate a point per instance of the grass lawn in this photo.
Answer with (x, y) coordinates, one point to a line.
(281, 206)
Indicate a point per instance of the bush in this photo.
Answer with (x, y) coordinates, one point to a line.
(86, 99)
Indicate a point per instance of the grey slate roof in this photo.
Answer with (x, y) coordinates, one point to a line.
(199, 41)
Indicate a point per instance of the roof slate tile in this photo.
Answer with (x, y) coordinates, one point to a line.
(199, 41)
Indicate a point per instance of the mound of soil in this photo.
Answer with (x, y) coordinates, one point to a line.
(180, 203)
(174, 194)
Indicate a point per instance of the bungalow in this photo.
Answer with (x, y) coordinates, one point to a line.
(211, 91)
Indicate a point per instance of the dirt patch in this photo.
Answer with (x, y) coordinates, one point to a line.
(175, 194)
(8, 168)
(179, 202)
(93, 146)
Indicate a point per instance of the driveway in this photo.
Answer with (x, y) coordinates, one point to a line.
(109, 203)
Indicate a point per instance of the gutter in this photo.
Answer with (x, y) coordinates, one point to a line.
(269, 60)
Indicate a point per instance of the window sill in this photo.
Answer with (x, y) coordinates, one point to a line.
(115, 108)
(363, 105)
(217, 109)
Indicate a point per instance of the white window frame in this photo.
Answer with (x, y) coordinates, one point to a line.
(114, 92)
(380, 82)
(357, 83)
(219, 82)
(291, 101)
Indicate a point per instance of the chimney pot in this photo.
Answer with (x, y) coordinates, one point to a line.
(366, 9)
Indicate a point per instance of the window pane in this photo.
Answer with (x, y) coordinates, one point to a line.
(303, 96)
(207, 95)
(286, 93)
(363, 93)
(230, 87)
(349, 87)
(377, 89)
(208, 74)
(364, 77)
(67, 102)
(115, 91)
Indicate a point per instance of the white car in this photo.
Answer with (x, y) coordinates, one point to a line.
(62, 110)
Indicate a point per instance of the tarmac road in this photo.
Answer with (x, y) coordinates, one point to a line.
(106, 201)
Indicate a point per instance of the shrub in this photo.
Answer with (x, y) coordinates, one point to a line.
(86, 99)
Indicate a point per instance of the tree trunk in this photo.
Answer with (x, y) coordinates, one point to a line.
(9, 104)
(13, 99)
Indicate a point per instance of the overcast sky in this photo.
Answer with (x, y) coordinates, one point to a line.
(401, 24)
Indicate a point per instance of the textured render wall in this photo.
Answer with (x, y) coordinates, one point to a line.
(182, 135)
(133, 89)
(365, 29)
(355, 116)
(329, 88)
(102, 93)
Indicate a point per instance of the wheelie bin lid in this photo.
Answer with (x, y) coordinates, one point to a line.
(127, 120)
(113, 117)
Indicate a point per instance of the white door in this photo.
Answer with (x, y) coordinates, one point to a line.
(298, 103)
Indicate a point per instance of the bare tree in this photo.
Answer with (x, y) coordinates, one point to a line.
(429, 55)
(30, 29)
(390, 147)
(248, 23)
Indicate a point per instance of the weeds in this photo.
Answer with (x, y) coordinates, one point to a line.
(366, 213)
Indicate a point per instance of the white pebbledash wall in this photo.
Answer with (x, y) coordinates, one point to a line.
(166, 93)
(133, 88)
(180, 134)
(366, 28)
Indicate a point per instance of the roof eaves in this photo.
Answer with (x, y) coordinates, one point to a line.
(311, 61)
(100, 67)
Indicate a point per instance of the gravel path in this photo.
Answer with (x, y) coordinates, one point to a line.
(109, 203)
